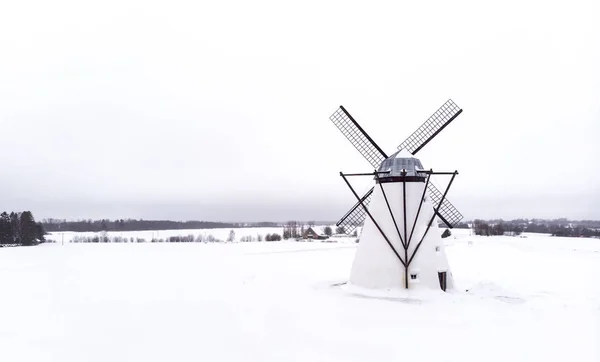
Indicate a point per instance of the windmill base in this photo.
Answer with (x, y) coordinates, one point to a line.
(407, 296)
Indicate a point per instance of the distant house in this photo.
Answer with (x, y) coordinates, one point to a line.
(310, 233)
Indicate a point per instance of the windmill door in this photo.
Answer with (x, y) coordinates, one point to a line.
(442, 278)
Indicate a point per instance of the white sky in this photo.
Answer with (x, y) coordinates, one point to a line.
(219, 110)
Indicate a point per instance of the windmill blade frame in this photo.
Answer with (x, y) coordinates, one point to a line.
(355, 217)
(447, 212)
(358, 137)
(367, 147)
(431, 127)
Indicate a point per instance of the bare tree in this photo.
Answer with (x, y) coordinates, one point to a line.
(231, 236)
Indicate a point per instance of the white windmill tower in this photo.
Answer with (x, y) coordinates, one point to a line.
(400, 245)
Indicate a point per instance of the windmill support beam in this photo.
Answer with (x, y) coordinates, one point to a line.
(391, 213)
(418, 210)
(366, 174)
(431, 172)
(432, 218)
(405, 234)
(351, 211)
(373, 220)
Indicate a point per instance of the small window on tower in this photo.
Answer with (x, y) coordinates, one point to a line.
(413, 276)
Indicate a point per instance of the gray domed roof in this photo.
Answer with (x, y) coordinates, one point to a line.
(399, 161)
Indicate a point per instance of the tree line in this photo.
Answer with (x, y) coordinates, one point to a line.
(558, 227)
(20, 228)
(481, 227)
(138, 225)
(104, 237)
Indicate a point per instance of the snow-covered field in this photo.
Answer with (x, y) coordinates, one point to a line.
(528, 299)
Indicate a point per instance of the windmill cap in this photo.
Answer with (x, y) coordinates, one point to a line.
(398, 161)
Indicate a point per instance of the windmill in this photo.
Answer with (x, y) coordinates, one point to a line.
(400, 209)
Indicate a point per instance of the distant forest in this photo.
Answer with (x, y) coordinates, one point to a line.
(138, 225)
(555, 227)
(10, 234)
(20, 228)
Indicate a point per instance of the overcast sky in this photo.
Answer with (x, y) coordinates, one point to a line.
(219, 110)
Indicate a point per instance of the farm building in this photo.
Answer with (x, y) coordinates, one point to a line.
(310, 233)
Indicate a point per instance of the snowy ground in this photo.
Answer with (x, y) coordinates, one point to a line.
(531, 299)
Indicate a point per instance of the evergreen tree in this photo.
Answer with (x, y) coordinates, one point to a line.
(29, 229)
(15, 224)
(6, 236)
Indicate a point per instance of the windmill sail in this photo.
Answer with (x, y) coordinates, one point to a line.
(358, 137)
(431, 127)
(356, 215)
(447, 212)
(375, 156)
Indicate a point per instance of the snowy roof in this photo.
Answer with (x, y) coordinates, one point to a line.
(403, 153)
(316, 229)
